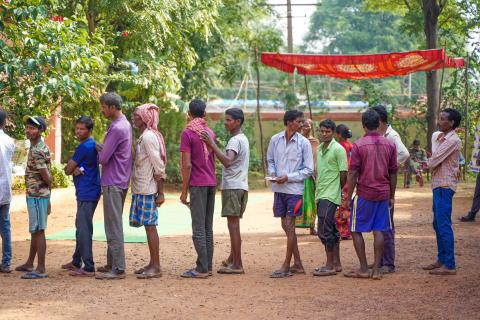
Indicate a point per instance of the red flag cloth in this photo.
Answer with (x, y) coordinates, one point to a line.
(363, 66)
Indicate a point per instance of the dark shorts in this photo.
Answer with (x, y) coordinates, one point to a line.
(327, 230)
(287, 205)
(234, 202)
(366, 215)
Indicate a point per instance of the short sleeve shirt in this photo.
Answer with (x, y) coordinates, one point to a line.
(330, 163)
(87, 186)
(236, 175)
(203, 171)
(38, 158)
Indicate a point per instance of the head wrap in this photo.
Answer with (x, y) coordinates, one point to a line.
(149, 115)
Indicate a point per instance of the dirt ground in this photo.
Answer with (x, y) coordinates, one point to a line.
(410, 293)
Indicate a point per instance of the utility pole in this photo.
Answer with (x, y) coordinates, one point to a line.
(291, 83)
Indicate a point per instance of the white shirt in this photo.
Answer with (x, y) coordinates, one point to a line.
(236, 176)
(7, 147)
(402, 151)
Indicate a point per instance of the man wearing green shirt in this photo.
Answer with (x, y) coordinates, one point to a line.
(332, 167)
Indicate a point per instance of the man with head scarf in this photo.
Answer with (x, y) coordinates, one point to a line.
(147, 183)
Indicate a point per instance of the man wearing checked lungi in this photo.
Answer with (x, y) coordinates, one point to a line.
(147, 183)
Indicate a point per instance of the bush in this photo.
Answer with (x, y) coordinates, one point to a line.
(59, 178)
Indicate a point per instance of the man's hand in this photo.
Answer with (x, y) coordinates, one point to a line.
(49, 208)
(348, 203)
(206, 138)
(158, 177)
(77, 172)
(99, 147)
(282, 179)
(183, 199)
(160, 200)
(391, 203)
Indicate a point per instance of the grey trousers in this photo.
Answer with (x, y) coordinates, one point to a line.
(202, 204)
(113, 201)
(476, 199)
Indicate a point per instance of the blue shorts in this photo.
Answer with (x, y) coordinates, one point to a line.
(143, 211)
(366, 215)
(37, 213)
(285, 204)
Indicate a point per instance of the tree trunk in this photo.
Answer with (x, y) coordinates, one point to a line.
(431, 11)
(91, 17)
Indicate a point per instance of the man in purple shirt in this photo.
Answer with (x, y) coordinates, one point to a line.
(373, 171)
(198, 179)
(115, 156)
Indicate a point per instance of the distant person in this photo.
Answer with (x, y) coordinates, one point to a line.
(444, 168)
(309, 209)
(416, 164)
(38, 182)
(7, 147)
(388, 260)
(342, 217)
(147, 183)
(332, 168)
(373, 173)
(470, 216)
(235, 162)
(86, 176)
(115, 156)
(198, 179)
(290, 163)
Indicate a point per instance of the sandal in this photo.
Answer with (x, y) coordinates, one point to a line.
(281, 274)
(139, 271)
(432, 266)
(357, 274)
(324, 271)
(104, 269)
(34, 275)
(149, 275)
(81, 273)
(295, 270)
(230, 270)
(443, 271)
(225, 263)
(23, 268)
(194, 274)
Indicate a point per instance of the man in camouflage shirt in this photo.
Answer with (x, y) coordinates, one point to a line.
(38, 183)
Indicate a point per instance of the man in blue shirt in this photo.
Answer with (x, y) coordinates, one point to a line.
(86, 176)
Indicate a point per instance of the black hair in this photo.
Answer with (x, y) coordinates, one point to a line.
(291, 115)
(382, 112)
(87, 121)
(197, 108)
(236, 114)
(3, 118)
(371, 119)
(453, 115)
(329, 124)
(344, 131)
(111, 99)
(416, 142)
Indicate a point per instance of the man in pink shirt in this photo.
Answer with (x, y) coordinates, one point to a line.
(373, 172)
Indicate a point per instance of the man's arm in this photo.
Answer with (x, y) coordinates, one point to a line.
(225, 158)
(352, 184)
(106, 150)
(46, 177)
(343, 178)
(271, 159)
(392, 176)
(402, 151)
(442, 152)
(186, 170)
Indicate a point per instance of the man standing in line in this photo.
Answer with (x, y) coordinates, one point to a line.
(235, 162)
(373, 172)
(7, 147)
(86, 177)
(198, 179)
(444, 168)
(388, 259)
(115, 156)
(147, 183)
(38, 181)
(332, 168)
(290, 162)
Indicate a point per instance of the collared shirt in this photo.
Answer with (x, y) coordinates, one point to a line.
(402, 151)
(38, 158)
(147, 163)
(116, 155)
(330, 163)
(444, 160)
(294, 159)
(374, 157)
(7, 147)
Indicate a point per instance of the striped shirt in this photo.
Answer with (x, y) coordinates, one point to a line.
(444, 163)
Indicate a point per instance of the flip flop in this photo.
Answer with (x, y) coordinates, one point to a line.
(356, 274)
(281, 274)
(432, 266)
(229, 270)
(139, 271)
(22, 268)
(294, 270)
(193, 274)
(81, 273)
(149, 275)
(324, 271)
(225, 263)
(34, 275)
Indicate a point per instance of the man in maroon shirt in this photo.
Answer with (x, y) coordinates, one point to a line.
(373, 171)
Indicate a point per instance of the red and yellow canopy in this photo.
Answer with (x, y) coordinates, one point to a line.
(364, 66)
